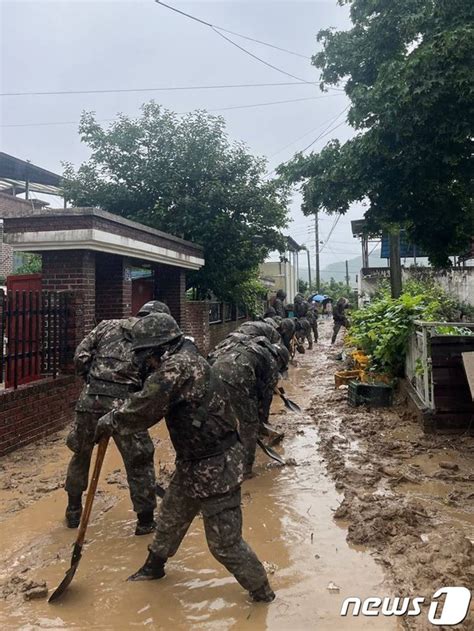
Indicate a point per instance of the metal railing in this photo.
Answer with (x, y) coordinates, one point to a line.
(215, 312)
(418, 364)
(34, 335)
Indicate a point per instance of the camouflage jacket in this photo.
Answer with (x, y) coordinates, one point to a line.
(250, 373)
(312, 314)
(339, 313)
(279, 307)
(194, 404)
(106, 361)
(287, 330)
(301, 309)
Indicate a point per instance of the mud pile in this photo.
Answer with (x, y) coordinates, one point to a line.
(407, 495)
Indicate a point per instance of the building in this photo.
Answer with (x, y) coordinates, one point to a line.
(283, 274)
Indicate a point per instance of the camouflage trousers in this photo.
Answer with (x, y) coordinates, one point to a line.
(222, 516)
(314, 327)
(248, 432)
(337, 327)
(137, 451)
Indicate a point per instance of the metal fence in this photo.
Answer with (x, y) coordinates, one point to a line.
(34, 335)
(225, 312)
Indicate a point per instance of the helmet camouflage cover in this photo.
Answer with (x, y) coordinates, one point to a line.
(153, 306)
(155, 330)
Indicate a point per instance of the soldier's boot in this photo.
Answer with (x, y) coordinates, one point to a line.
(145, 523)
(263, 594)
(73, 511)
(310, 346)
(153, 569)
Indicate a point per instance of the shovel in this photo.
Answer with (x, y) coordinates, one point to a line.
(77, 551)
(289, 404)
(271, 453)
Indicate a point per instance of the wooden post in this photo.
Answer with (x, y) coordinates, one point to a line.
(395, 264)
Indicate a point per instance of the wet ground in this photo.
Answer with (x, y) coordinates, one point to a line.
(314, 560)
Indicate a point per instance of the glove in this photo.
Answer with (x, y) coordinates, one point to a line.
(106, 426)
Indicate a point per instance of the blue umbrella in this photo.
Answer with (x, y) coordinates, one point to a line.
(319, 298)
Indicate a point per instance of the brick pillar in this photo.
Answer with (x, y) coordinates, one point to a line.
(113, 283)
(170, 287)
(73, 271)
(197, 324)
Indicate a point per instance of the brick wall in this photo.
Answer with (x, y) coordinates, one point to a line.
(197, 324)
(36, 410)
(170, 287)
(206, 335)
(113, 284)
(217, 332)
(74, 271)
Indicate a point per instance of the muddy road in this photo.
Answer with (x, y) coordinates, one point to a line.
(303, 519)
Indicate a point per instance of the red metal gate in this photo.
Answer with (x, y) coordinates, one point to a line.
(23, 329)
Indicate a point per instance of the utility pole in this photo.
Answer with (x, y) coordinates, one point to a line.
(309, 268)
(348, 278)
(316, 254)
(395, 263)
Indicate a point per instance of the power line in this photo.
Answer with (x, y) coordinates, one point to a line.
(336, 221)
(324, 133)
(218, 109)
(155, 89)
(220, 28)
(263, 61)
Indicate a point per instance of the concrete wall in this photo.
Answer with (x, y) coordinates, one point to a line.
(6, 255)
(458, 282)
(284, 276)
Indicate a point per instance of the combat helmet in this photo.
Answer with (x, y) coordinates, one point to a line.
(153, 306)
(155, 330)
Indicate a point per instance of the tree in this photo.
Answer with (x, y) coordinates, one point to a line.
(183, 175)
(408, 72)
(31, 264)
(303, 286)
(336, 289)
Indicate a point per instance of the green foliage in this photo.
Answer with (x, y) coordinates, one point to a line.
(453, 330)
(183, 175)
(336, 289)
(251, 294)
(32, 264)
(303, 286)
(407, 67)
(382, 329)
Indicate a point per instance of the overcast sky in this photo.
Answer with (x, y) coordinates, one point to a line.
(91, 45)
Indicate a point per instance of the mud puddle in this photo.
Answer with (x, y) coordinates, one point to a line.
(288, 519)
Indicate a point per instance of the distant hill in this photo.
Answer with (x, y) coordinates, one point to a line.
(337, 270)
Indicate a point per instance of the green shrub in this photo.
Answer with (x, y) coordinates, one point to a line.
(382, 329)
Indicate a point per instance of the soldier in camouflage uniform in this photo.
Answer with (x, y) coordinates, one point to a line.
(209, 456)
(250, 369)
(279, 303)
(340, 317)
(312, 317)
(106, 361)
(303, 326)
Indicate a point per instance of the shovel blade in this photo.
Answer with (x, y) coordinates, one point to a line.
(271, 453)
(291, 405)
(67, 580)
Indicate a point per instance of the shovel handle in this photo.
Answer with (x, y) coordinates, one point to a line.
(86, 513)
